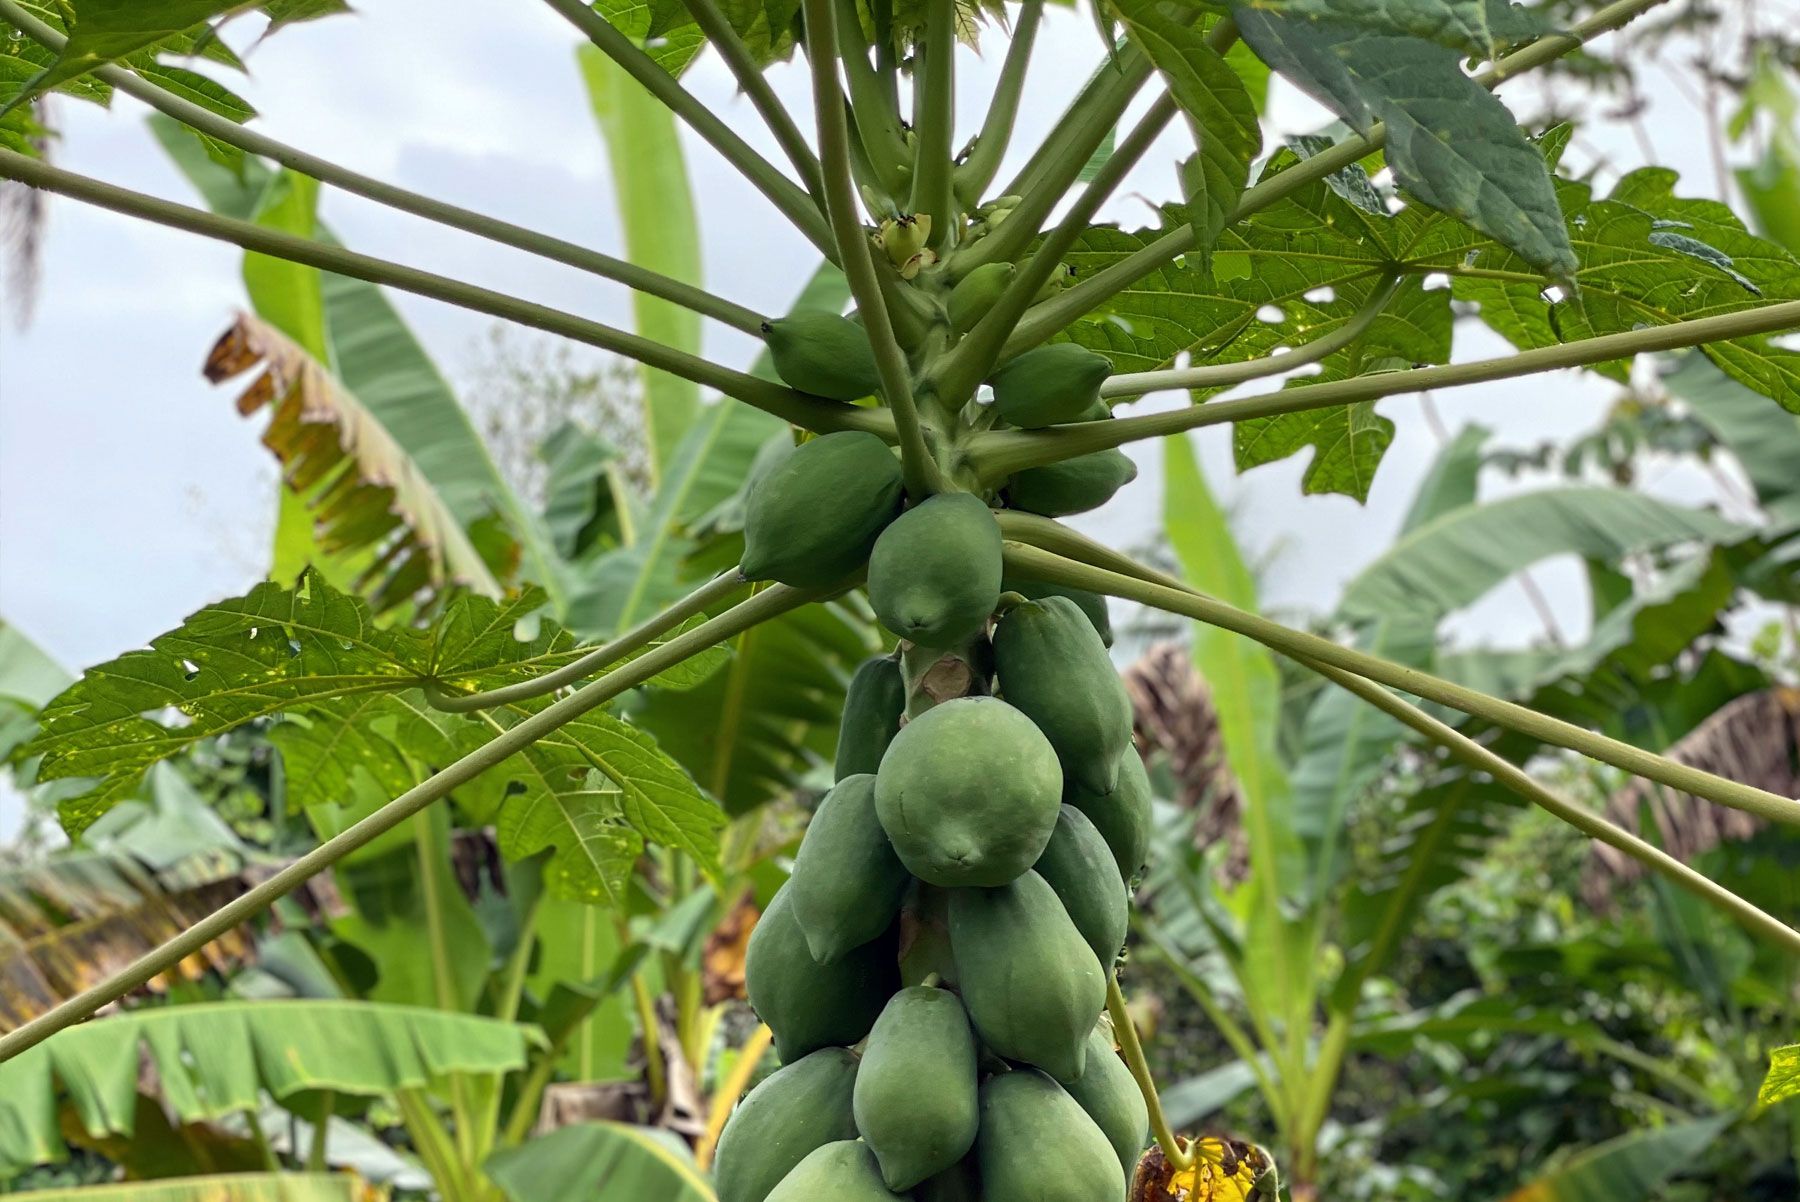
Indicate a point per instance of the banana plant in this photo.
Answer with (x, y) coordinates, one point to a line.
(1303, 256)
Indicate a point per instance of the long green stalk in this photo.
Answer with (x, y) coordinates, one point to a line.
(1000, 453)
(982, 162)
(782, 192)
(798, 408)
(1584, 820)
(1133, 1051)
(921, 470)
(876, 117)
(639, 636)
(231, 133)
(1034, 563)
(1057, 312)
(750, 78)
(1226, 375)
(934, 121)
(734, 621)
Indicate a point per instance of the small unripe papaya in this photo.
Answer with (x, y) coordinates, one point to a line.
(1079, 866)
(1092, 604)
(873, 705)
(815, 516)
(824, 354)
(809, 1005)
(1049, 385)
(1123, 816)
(916, 1091)
(1032, 986)
(1110, 1096)
(844, 1171)
(800, 1107)
(847, 881)
(976, 293)
(1072, 486)
(1038, 1145)
(1052, 665)
(934, 575)
(968, 793)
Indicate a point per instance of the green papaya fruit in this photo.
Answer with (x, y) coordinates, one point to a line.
(958, 1183)
(976, 293)
(1122, 816)
(1049, 385)
(1052, 666)
(1079, 866)
(916, 1091)
(934, 575)
(844, 1171)
(847, 881)
(1072, 486)
(811, 1005)
(1093, 605)
(798, 1108)
(968, 793)
(1110, 1096)
(873, 705)
(815, 516)
(1038, 1145)
(824, 354)
(1031, 984)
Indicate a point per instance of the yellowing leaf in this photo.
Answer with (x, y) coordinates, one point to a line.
(364, 490)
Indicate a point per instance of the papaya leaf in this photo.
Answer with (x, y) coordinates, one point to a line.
(218, 1058)
(1450, 142)
(219, 1187)
(1765, 440)
(367, 494)
(1478, 27)
(605, 1162)
(673, 49)
(1637, 265)
(1291, 273)
(104, 31)
(655, 796)
(1219, 110)
(310, 649)
(570, 806)
(282, 13)
(1783, 1080)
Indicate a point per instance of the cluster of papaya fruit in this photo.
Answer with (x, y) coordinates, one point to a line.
(829, 355)
(935, 971)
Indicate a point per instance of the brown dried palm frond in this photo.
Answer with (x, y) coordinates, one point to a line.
(1173, 713)
(69, 922)
(366, 494)
(1754, 740)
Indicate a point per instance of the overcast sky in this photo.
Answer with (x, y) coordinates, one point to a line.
(131, 493)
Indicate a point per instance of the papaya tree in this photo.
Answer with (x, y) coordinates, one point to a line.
(941, 975)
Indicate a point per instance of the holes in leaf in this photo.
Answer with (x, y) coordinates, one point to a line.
(1271, 314)
(1322, 295)
(189, 669)
(1435, 280)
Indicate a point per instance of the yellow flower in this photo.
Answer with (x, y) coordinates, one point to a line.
(1224, 1170)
